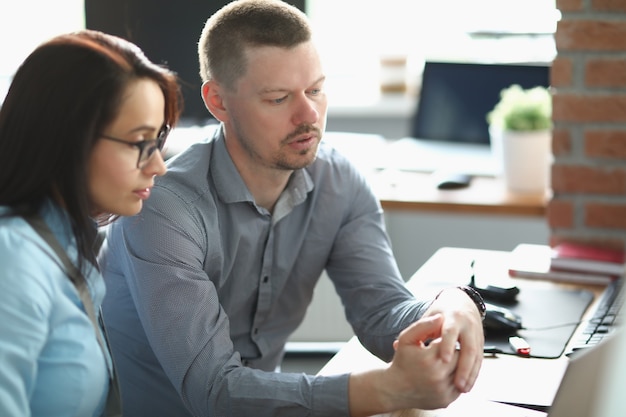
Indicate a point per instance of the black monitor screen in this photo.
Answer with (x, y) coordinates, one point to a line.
(455, 97)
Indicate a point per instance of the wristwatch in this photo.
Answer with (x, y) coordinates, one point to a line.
(476, 298)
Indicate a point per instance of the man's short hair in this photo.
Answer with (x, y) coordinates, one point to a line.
(242, 24)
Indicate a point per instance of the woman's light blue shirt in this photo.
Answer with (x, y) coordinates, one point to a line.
(51, 362)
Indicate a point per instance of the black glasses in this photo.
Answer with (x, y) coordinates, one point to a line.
(146, 147)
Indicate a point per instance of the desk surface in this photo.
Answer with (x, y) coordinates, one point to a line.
(516, 371)
(386, 164)
(405, 190)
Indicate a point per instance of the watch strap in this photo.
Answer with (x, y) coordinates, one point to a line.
(476, 298)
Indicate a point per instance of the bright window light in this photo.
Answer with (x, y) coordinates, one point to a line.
(25, 24)
(355, 36)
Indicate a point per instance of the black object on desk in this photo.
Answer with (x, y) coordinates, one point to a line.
(549, 317)
(451, 180)
(491, 293)
(500, 320)
(605, 318)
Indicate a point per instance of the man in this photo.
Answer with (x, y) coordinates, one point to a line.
(208, 282)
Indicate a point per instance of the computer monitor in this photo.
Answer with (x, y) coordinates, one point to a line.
(455, 97)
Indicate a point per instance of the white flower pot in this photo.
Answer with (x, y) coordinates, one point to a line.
(524, 159)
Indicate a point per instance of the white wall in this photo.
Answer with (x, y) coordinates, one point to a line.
(415, 236)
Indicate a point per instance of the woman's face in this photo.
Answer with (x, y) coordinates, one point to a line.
(116, 184)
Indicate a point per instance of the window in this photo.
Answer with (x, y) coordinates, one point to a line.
(25, 24)
(354, 35)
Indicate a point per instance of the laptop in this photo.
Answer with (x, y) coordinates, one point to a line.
(590, 388)
(449, 130)
(592, 385)
(610, 400)
(584, 385)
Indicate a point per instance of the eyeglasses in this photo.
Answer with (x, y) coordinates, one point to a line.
(146, 147)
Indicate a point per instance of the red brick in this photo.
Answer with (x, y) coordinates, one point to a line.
(606, 144)
(561, 142)
(592, 48)
(588, 108)
(605, 215)
(600, 242)
(605, 72)
(569, 5)
(609, 5)
(560, 213)
(588, 180)
(561, 72)
(590, 35)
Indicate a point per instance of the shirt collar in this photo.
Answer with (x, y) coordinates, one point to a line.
(231, 188)
(228, 183)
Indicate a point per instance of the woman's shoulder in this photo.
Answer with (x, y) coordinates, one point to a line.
(23, 256)
(15, 232)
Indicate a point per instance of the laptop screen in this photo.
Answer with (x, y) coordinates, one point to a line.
(455, 97)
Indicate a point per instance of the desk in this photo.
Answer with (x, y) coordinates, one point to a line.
(406, 190)
(383, 160)
(495, 369)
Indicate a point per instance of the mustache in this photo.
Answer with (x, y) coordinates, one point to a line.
(302, 129)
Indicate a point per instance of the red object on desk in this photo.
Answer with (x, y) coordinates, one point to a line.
(534, 262)
(577, 257)
(519, 345)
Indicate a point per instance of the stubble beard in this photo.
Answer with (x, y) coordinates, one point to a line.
(284, 162)
(283, 159)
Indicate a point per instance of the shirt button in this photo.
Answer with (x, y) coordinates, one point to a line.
(256, 330)
(266, 279)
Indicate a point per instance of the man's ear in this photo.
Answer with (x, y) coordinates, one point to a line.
(212, 97)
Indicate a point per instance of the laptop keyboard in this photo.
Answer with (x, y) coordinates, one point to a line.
(604, 319)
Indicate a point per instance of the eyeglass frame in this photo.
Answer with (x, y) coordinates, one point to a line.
(144, 145)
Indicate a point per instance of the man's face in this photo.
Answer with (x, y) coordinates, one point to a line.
(277, 113)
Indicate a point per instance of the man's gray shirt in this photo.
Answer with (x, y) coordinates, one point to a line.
(204, 287)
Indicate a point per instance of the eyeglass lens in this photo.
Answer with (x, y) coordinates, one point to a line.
(150, 146)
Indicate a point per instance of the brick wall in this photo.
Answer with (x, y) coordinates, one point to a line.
(589, 113)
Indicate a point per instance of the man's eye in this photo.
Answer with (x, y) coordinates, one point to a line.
(279, 100)
(315, 91)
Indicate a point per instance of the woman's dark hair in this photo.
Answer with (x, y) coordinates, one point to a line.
(67, 91)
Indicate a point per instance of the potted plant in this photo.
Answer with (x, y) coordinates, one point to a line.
(520, 126)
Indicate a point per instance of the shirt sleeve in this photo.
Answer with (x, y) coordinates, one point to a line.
(25, 305)
(364, 271)
(161, 254)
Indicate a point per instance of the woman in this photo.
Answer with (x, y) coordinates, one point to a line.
(81, 130)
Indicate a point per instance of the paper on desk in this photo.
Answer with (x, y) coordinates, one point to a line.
(502, 378)
(516, 380)
(471, 405)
